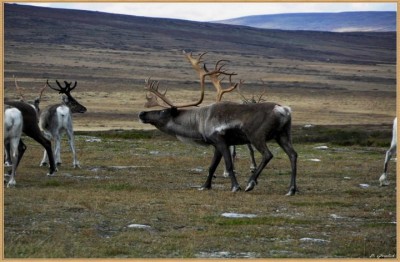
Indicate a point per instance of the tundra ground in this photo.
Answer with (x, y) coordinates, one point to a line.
(136, 195)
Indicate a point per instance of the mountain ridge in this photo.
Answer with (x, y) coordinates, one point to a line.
(366, 21)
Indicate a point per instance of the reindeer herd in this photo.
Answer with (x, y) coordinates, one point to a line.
(222, 124)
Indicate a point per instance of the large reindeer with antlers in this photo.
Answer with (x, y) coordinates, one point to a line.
(55, 119)
(224, 124)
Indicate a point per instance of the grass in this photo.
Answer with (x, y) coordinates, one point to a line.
(152, 180)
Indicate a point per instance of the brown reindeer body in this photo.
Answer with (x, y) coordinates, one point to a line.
(226, 123)
(223, 124)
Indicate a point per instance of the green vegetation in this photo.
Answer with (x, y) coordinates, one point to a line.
(87, 212)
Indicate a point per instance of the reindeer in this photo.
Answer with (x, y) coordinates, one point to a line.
(12, 135)
(50, 124)
(31, 128)
(217, 83)
(392, 150)
(55, 119)
(224, 124)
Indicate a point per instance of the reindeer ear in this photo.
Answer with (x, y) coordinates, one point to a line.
(174, 111)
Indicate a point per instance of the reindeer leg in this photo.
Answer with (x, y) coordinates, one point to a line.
(232, 150)
(284, 142)
(383, 179)
(253, 165)
(266, 157)
(211, 170)
(21, 150)
(224, 148)
(47, 146)
(7, 158)
(70, 135)
(14, 146)
(44, 159)
(57, 149)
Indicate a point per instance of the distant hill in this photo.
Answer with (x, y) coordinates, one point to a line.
(332, 22)
(53, 27)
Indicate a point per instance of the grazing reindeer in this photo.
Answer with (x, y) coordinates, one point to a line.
(55, 119)
(392, 150)
(12, 135)
(225, 124)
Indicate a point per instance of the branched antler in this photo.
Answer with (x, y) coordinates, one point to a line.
(63, 90)
(19, 90)
(214, 75)
(152, 88)
(252, 100)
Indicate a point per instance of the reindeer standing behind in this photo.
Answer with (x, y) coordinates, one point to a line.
(217, 83)
(55, 119)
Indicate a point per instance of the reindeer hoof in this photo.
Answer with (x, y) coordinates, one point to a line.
(204, 188)
(11, 183)
(383, 180)
(292, 192)
(250, 186)
(43, 164)
(236, 188)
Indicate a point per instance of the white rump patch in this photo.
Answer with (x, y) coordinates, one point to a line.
(283, 110)
(62, 110)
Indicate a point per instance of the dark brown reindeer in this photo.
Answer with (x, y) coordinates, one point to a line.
(31, 128)
(224, 124)
(57, 118)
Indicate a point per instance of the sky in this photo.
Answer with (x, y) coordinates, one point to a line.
(209, 11)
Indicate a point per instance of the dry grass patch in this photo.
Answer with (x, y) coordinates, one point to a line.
(153, 182)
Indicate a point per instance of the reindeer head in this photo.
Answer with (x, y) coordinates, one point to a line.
(67, 99)
(160, 118)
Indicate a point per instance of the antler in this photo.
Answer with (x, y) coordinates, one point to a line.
(42, 91)
(195, 62)
(252, 100)
(63, 90)
(19, 90)
(217, 82)
(203, 71)
(152, 87)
